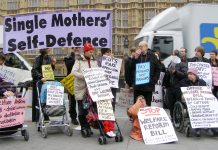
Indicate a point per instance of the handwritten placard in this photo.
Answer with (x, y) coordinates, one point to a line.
(204, 71)
(142, 74)
(202, 106)
(68, 83)
(55, 95)
(105, 110)
(125, 98)
(156, 126)
(47, 72)
(12, 112)
(215, 75)
(112, 67)
(98, 85)
(157, 97)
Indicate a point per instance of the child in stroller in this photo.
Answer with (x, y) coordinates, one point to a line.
(106, 127)
(46, 111)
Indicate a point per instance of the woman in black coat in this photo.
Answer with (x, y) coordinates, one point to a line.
(42, 59)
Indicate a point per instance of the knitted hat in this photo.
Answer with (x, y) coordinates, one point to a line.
(88, 47)
(193, 70)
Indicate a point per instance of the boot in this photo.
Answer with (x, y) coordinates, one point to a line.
(85, 129)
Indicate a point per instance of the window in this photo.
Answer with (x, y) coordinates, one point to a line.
(12, 4)
(59, 3)
(80, 2)
(13, 61)
(164, 44)
(33, 3)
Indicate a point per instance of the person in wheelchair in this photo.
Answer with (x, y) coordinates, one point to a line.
(192, 79)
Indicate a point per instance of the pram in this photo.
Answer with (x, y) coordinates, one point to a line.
(57, 113)
(16, 109)
(95, 123)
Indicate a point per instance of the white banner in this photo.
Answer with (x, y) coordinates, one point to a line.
(112, 67)
(204, 71)
(98, 85)
(105, 110)
(55, 95)
(202, 106)
(156, 126)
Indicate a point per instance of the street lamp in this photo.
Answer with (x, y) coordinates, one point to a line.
(125, 42)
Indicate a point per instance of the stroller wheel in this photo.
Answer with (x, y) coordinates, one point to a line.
(118, 137)
(25, 134)
(44, 132)
(68, 131)
(84, 133)
(102, 140)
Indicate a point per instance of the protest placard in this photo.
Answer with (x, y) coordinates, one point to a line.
(98, 85)
(55, 95)
(105, 110)
(42, 30)
(125, 98)
(14, 75)
(156, 126)
(204, 71)
(47, 72)
(12, 112)
(215, 75)
(112, 67)
(157, 97)
(142, 74)
(68, 83)
(202, 106)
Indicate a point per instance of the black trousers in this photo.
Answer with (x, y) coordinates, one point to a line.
(72, 106)
(82, 115)
(114, 92)
(35, 101)
(215, 90)
(147, 96)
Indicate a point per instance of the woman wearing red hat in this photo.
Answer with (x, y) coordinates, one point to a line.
(83, 62)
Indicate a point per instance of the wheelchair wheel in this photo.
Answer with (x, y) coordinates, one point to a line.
(179, 116)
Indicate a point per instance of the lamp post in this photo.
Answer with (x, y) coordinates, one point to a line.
(125, 44)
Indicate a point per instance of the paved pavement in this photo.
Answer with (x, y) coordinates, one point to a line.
(56, 140)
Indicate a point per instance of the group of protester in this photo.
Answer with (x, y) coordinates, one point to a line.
(177, 75)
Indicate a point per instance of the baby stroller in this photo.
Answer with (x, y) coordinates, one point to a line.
(92, 117)
(11, 123)
(57, 113)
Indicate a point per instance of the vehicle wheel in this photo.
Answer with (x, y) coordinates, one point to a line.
(25, 134)
(44, 132)
(178, 116)
(68, 131)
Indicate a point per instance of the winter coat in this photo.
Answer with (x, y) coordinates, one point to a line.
(171, 80)
(212, 65)
(77, 71)
(186, 82)
(69, 62)
(128, 76)
(195, 59)
(155, 69)
(37, 66)
(133, 113)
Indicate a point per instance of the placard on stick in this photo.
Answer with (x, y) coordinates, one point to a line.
(68, 83)
(47, 72)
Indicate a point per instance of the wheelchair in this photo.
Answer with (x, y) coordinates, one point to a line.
(181, 120)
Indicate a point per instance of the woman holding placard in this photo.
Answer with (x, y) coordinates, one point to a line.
(42, 59)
